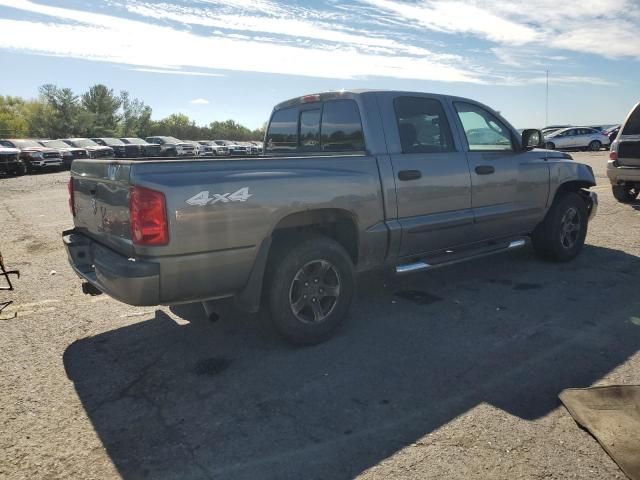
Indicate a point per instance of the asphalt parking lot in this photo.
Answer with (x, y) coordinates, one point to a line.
(448, 374)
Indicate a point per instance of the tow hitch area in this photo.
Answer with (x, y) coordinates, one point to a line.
(89, 289)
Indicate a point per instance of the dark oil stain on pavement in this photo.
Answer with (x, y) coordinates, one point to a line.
(419, 297)
(212, 366)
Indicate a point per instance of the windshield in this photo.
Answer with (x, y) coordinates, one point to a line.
(171, 139)
(26, 143)
(55, 144)
(113, 141)
(83, 142)
(134, 141)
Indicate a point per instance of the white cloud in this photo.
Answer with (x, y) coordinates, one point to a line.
(131, 42)
(598, 27)
(459, 17)
(371, 38)
(177, 72)
(199, 101)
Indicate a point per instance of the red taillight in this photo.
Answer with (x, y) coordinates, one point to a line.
(72, 200)
(148, 216)
(613, 155)
(311, 98)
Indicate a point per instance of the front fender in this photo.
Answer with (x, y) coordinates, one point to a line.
(567, 174)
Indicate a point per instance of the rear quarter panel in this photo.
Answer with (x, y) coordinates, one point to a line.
(213, 244)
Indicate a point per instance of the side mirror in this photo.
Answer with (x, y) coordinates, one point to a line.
(532, 138)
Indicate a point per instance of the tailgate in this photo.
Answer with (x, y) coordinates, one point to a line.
(101, 198)
(629, 150)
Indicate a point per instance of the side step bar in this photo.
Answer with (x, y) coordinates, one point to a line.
(422, 265)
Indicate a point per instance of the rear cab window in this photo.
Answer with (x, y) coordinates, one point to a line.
(330, 126)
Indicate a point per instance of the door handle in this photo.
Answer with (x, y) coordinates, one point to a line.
(485, 169)
(409, 175)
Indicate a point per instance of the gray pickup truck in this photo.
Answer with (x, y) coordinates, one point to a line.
(349, 182)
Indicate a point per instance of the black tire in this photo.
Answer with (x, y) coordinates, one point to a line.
(19, 170)
(290, 266)
(550, 145)
(626, 192)
(554, 239)
(595, 146)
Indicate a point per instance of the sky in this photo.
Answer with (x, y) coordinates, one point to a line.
(220, 59)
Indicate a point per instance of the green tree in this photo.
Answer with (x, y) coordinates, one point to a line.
(62, 117)
(13, 119)
(103, 106)
(135, 119)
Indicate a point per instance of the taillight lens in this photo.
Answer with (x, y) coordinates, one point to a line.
(148, 215)
(613, 152)
(72, 200)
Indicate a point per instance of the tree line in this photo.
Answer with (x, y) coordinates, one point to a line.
(100, 112)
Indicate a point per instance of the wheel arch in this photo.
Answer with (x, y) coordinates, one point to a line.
(338, 224)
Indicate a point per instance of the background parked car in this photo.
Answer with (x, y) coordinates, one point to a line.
(95, 150)
(201, 150)
(172, 147)
(234, 147)
(612, 132)
(147, 149)
(259, 145)
(69, 154)
(218, 150)
(10, 163)
(581, 138)
(120, 149)
(35, 156)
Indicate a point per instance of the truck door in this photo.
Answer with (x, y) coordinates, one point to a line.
(433, 185)
(509, 185)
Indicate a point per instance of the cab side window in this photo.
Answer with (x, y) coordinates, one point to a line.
(422, 125)
(484, 131)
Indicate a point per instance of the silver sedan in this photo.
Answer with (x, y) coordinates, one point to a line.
(583, 138)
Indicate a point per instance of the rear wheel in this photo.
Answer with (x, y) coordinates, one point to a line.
(626, 192)
(595, 145)
(310, 289)
(560, 237)
(550, 146)
(19, 169)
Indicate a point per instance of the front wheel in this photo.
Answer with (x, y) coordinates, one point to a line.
(310, 289)
(626, 192)
(560, 237)
(595, 146)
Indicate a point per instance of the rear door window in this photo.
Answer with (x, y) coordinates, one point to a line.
(632, 127)
(422, 125)
(341, 127)
(283, 131)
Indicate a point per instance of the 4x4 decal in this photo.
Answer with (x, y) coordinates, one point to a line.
(203, 197)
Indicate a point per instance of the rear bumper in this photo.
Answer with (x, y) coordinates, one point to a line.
(131, 282)
(619, 174)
